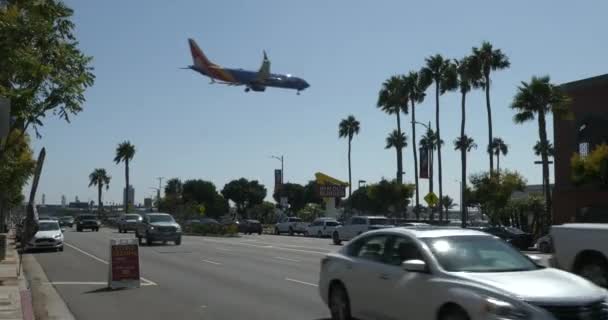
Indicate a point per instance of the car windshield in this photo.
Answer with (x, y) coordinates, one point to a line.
(88, 218)
(514, 230)
(332, 223)
(478, 254)
(132, 217)
(66, 218)
(378, 221)
(295, 219)
(161, 218)
(48, 226)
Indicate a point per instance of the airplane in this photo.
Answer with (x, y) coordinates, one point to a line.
(252, 80)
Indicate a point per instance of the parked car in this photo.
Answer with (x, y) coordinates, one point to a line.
(66, 221)
(322, 227)
(128, 222)
(290, 225)
(49, 236)
(87, 221)
(357, 225)
(446, 274)
(250, 226)
(158, 227)
(582, 248)
(514, 236)
(544, 244)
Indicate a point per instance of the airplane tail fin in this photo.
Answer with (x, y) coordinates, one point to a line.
(198, 57)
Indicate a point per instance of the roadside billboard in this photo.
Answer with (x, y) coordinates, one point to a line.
(124, 264)
(332, 191)
(278, 179)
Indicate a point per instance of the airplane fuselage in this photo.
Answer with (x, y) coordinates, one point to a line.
(250, 78)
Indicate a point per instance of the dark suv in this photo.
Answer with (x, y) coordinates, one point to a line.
(87, 221)
(250, 226)
(158, 227)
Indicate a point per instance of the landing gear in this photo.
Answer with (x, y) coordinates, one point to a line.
(247, 89)
(298, 93)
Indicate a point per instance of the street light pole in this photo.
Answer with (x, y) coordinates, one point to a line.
(281, 158)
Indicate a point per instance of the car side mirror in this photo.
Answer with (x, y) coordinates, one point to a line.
(414, 266)
(537, 260)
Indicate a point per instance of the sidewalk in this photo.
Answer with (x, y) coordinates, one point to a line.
(15, 297)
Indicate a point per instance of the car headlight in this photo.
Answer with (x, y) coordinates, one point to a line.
(57, 236)
(151, 227)
(178, 229)
(504, 310)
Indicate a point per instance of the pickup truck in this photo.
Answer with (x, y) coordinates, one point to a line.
(290, 225)
(357, 225)
(582, 248)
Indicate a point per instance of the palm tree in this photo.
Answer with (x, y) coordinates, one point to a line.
(348, 128)
(429, 143)
(442, 72)
(174, 187)
(539, 148)
(538, 98)
(396, 140)
(99, 178)
(393, 99)
(415, 89)
(498, 147)
(448, 203)
(464, 144)
(490, 60)
(125, 153)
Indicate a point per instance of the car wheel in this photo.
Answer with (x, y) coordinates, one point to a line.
(259, 233)
(276, 231)
(336, 238)
(148, 241)
(139, 240)
(339, 305)
(78, 230)
(178, 241)
(164, 241)
(290, 231)
(320, 234)
(544, 247)
(453, 312)
(594, 269)
(60, 249)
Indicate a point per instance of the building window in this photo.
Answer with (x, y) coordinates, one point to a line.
(583, 149)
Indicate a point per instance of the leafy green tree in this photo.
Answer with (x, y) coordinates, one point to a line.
(489, 59)
(311, 193)
(396, 140)
(493, 192)
(538, 98)
(264, 212)
(125, 153)
(15, 170)
(415, 89)
(244, 193)
(348, 128)
(174, 187)
(498, 147)
(310, 212)
(42, 71)
(465, 144)
(539, 148)
(203, 192)
(361, 200)
(393, 99)
(591, 169)
(294, 193)
(441, 72)
(391, 195)
(99, 178)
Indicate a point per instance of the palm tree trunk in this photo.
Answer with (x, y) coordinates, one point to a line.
(431, 155)
(489, 109)
(414, 147)
(399, 154)
(126, 193)
(498, 163)
(438, 150)
(463, 159)
(350, 178)
(99, 207)
(545, 158)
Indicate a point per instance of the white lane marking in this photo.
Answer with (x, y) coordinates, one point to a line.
(302, 282)
(150, 282)
(212, 262)
(270, 247)
(287, 259)
(223, 249)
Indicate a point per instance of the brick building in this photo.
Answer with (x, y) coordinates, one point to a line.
(587, 129)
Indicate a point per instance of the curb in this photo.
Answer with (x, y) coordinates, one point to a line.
(46, 301)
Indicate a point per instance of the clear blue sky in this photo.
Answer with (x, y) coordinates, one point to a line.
(183, 127)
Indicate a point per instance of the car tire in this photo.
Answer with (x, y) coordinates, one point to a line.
(290, 231)
(78, 229)
(277, 231)
(453, 312)
(339, 304)
(593, 268)
(60, 249)
(336, 238)
(544, 247)
(259, 233)
(178, 241)
(148, 241)
(319, 234)
(139, 240)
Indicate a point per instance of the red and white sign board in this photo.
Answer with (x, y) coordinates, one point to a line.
(124, 264)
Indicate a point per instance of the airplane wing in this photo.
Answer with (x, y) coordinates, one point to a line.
(264, 71)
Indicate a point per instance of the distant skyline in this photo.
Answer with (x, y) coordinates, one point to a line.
(184, 127)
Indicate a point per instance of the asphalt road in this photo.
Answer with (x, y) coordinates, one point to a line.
(251, 277)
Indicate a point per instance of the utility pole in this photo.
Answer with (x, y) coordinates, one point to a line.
(160, 186)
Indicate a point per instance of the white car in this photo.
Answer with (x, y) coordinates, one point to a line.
(322, 227)
(49, 236)
(290, 225)
(450, 274)
(357, 225)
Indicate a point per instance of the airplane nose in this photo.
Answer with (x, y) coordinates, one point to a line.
(305, 84)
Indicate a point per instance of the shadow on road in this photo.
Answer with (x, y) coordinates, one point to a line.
(104, 289)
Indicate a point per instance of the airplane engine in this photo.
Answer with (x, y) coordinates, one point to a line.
(258, 88)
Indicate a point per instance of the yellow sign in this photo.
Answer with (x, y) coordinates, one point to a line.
(431, 199)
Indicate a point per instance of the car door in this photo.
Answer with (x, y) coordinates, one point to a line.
(368, 256)
(354, 228)
(404, 294)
